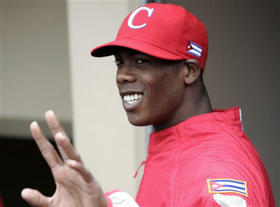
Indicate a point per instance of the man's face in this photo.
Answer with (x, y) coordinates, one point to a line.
(151, 89)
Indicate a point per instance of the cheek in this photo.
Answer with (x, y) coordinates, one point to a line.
(166, 86)
(165, 95)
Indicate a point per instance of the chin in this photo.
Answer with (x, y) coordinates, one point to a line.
(138, 121)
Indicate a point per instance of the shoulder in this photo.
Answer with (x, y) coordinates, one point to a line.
(226, 164)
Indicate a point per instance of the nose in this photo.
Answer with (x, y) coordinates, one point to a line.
(125, 75)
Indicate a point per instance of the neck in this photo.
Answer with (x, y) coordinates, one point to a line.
(196, 101)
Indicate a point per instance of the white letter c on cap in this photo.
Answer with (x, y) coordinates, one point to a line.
(132, 16)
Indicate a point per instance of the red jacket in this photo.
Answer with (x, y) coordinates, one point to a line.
(206, 155)
(205, 161)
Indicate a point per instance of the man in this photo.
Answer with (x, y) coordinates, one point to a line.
(197, 156)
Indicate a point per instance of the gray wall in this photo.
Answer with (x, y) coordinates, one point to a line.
(103, 135)
(0, 58)
(243, 68)
(35, 74)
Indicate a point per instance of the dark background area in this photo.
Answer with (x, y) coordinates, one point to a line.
(25, 167)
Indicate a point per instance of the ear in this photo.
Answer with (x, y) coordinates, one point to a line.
(192, 71)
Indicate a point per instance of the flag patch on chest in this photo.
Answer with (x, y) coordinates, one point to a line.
(225, 185)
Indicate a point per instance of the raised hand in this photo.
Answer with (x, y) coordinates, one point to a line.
(75, 185)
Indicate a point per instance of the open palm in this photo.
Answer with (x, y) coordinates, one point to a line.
(75, 185)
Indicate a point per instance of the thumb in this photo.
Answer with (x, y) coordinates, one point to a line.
(34, 198)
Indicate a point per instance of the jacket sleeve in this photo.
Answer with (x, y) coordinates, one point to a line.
(123, 199)
(118, 198)
(219, 200)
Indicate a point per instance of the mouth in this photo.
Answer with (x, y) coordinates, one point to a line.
(131, 100)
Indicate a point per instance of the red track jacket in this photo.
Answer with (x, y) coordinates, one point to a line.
(205, 161)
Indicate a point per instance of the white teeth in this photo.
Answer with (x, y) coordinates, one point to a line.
(132, 98)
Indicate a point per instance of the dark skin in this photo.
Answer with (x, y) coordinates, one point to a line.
(172, 91)
(159, 92)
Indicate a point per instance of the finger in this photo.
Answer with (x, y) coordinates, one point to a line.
(53, 123)
(34, 198)
(45, 147)
(66, 148)
(81, 169)
(56, 128)
(60, 145)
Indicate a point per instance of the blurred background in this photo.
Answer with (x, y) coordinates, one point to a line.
(45, 63)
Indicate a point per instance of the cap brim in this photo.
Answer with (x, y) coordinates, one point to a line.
(147, 48)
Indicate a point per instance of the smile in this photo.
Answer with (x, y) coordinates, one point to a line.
(132, 98)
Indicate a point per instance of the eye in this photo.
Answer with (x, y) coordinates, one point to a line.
(140, 61)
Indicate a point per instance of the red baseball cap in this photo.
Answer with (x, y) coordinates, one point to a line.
(164, 31)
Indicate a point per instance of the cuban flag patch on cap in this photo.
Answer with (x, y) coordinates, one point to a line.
(194, 49)
(225, 185)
